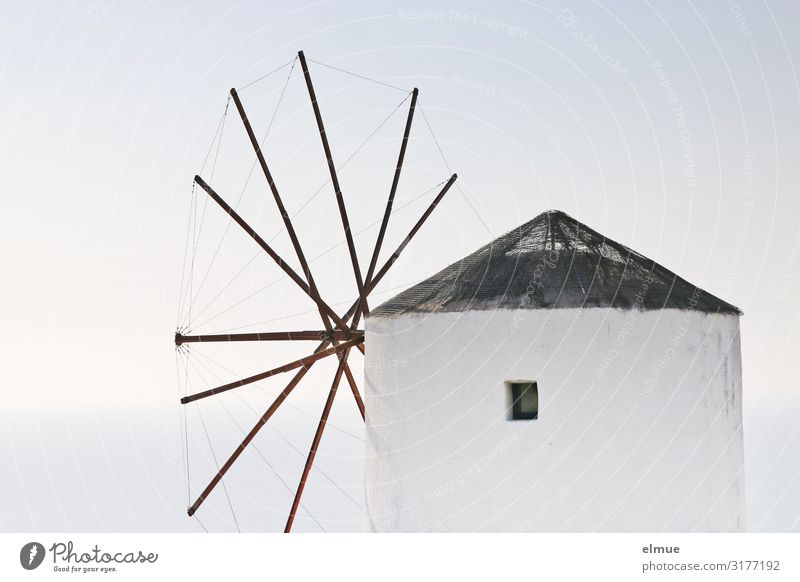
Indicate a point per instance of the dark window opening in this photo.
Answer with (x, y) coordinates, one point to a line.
(525, 401)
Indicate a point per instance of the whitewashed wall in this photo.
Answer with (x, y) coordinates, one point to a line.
(639, 424)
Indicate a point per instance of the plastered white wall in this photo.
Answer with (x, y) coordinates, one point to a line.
(639, 428)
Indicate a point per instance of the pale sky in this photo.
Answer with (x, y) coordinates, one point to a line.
(671, 127)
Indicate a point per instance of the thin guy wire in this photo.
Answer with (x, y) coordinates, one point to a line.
(214, 456)
(244, 187)
(447, 165)
(262, 77)
(196, 242)
(357, 75)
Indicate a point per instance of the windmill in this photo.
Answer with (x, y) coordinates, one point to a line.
(339, 334)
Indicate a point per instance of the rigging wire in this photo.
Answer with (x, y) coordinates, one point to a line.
(182, 425)
(186, 434)
(205, 199)
(219, 142)
(220, 131)
(214, 456)
(181, 293)
(200, 522)
(262, 77)
(447, 165)
(217, 132)
(192, 261)
(356, 75)
(244, 187)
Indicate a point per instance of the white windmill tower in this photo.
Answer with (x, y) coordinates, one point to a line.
(554, 380)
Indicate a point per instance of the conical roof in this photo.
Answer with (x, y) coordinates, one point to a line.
(551, 262)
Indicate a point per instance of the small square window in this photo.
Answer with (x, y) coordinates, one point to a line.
(524, 400)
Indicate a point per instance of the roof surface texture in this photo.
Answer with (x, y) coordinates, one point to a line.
(552, 262)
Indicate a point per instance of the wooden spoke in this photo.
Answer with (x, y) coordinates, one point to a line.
(315, 443)
(335, 181)
(388, 212)
(354, 389)
(270, 336)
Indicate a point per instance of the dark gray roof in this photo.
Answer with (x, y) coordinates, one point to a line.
(553, 261)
